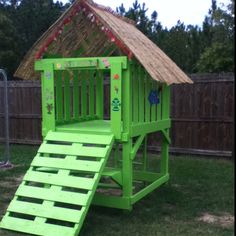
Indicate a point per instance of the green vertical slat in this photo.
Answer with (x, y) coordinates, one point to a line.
(127, 170)
(67, 96)
(127, 97)
(91, 94)
(48, 100)
(99, 95)
(153, 107)
(116, 99)
(59, 99)
(83, 94)
(141, 94)
(147, 103)
(159, 106)
(135, 93)
(76, 95)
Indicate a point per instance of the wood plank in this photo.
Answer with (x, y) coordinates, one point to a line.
(141, 94)
(147, 103)
(79, 138)
(59, 99)
(89, 166)
(135, 98)
(33, 227)
(45, 211)
(74, 150)
(52, 195)
(60, 180)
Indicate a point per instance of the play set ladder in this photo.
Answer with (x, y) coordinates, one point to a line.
(57, 190)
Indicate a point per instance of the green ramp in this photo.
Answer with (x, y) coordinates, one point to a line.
(57, 190)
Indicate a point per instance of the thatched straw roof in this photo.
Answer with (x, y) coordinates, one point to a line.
(87, 29)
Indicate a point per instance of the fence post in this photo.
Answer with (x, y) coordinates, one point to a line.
(6, 161)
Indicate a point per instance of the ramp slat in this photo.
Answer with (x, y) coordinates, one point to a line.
(35, 228)
(60, 180)
(44, 211)
(91, 166)
(52, 195)
(74, 150)
(79, 138)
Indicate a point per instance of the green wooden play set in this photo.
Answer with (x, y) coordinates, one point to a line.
(89, 158)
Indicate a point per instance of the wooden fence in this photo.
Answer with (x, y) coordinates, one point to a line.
(202, 115)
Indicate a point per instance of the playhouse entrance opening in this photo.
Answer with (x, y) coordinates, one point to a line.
(82, 96)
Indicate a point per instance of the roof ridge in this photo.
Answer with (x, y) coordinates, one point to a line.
(110, 10)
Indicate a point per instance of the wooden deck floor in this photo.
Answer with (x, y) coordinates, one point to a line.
(94, 126)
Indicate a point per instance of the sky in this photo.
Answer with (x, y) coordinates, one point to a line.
(170, 11)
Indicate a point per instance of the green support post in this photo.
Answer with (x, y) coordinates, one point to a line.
(165, 140)
(116, 99)
(48, 103)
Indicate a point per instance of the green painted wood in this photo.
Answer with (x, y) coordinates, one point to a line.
(35, 227)
(88, 166)
(116, 100)
(141, 94)
(153, 107)
(91, 62)
(67, 93)
(80, 138)
(45, 211)
(149, 127)
(159, 106)
(127, 97)
(135, 95)
(54, 191)
(84, 100)
(59, 97)
(74, 150)
(127, 170)
(59, 179)
(48, 102)
(147, 103)
(137, 146)
(91, 94)
(52, 195)
(76, 95)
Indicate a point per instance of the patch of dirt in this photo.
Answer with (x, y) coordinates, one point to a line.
(225, 220)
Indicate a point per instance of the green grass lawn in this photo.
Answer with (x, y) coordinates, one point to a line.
(198, 200)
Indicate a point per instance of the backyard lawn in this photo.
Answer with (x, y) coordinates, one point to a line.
(198, 200)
